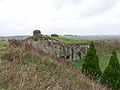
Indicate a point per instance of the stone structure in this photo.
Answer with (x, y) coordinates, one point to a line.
(36, 32)
(58, 49)
(69, 52)
(54, 35)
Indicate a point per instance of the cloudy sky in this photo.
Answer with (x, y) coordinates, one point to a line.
(81, 17)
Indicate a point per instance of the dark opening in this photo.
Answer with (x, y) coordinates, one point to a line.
(79, 54)
(68, 56)
(62, 57)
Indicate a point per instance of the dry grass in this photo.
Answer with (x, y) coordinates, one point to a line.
(43, 73)
(35, 70)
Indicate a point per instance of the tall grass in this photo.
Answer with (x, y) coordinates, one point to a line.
(3, 45)
(42, 72)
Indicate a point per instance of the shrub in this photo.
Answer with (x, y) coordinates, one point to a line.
(111, 75)
(91, 62)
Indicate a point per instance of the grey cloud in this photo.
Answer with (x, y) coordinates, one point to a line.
(72, 21)
(103, 6)
(58, 4)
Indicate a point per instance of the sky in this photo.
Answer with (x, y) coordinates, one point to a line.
(77, 17)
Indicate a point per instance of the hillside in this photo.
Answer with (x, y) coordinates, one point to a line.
(31, 70)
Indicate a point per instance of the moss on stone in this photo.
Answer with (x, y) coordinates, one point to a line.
(59, 39)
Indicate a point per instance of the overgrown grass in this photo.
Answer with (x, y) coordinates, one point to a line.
(43, 73)
(103, 61)
(36, 38)
(60, 39)
(37, 72)
(68, 41)
(3, 44)
(3, 47)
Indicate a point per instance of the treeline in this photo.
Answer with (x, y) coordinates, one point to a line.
(111, 76)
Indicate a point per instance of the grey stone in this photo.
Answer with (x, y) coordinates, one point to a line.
(36, 32)
(60, 50)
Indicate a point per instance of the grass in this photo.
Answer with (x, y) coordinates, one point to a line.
(39, 72)
(43, 73)
(60, 39)
(68, 41)
(36, 38)
(3, 46)
(103, 61)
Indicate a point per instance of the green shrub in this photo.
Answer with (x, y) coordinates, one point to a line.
(111, 75)
(91, 62)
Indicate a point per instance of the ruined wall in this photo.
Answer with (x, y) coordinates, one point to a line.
(61, 50)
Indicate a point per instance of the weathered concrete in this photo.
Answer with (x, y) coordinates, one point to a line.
(53, 47)
(61, 50)
(36, 32)
(54, 35)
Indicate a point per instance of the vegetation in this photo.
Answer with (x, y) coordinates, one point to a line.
(91, 62)
(68, 41)
(20, 68)
(93, 37)
(3, 46)
(36, 71)
(103, 61)
(60, 39)
(111, 75)
(36, 38)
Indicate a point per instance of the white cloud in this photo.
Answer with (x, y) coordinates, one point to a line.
(60, 16)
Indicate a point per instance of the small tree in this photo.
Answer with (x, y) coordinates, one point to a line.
(111, 75)
(91, 62)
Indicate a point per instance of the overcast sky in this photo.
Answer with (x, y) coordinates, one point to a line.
(81, 17)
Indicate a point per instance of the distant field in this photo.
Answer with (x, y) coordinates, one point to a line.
(103, 61)
(93, 37)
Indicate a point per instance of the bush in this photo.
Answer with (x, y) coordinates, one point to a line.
(111, 75)
(91, 62)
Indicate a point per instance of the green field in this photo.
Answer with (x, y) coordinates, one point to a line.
(103, 61)
(3, 45)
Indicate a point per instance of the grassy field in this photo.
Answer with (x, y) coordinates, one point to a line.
(103, 61)
(94, 37)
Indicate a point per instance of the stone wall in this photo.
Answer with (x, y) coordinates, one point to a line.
(61, 50)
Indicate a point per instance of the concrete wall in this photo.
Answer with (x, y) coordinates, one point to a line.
(61, 50)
